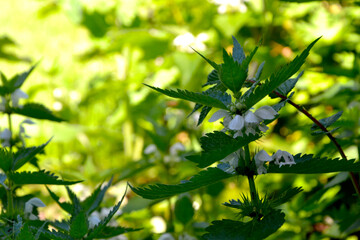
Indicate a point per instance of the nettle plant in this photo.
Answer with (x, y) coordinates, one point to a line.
(230, 90)
(19, 217)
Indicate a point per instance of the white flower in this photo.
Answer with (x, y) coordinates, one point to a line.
(176, 148)
(287, 158)
(230, 5)
(22, 134)
(166, 236)
(233, 160)
(280, 158)
(251, 121)
(29, 206)
(260, 158)
(16, 96)
(266, 113)
(93, 220)
(5, 135)
(184, 41)
(150, 149)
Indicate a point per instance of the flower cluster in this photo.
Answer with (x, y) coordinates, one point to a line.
(231, 162)
(15, 98)
(252, 122)
(280, 158)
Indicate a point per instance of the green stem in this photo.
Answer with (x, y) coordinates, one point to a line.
(253, 192)
(10, 201)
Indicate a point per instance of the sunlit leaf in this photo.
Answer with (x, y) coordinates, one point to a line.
(37, 111)
(39, 177)
(277, 78)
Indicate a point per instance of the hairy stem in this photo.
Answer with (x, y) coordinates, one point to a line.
(253, 192)
(330, 136)
(322, 127)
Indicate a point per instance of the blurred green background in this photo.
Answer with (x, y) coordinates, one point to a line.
(94, 56)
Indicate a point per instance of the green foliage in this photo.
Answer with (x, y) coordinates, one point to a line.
(326, 122)
(231, 230)
(38, 111)
(203, 178)
(39, 177)
(79, 225)
(218, 145)
(210, 99)
(277, 78)
(25, 155)
(308, 164)
(184, 210)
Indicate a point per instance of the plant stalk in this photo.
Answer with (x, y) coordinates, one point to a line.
(9, 193)
(253, 193)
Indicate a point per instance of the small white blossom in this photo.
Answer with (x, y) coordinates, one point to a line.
(150, 149)
(186, 236)
(233, 160)
(22, 133)
(176, 148)
(287, 158)
(29, 206)
(280, 158)
(184, 41)
(93, 220)
(251, 121)
(260, 158)
(5, 135)
(225, 6)
(16, 96)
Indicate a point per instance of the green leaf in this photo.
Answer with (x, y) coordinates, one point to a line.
(327, 122)
(213, 64)
(253, 230)
(37, 111)
(286, 87)
(217, 146)
(93, 201)
(201, 98)
(39, 177)
(277, 78)
(233, 73)
(278, 199)
(308, 164)
(64, 205)
(79, 225)
(25, 155)
(203, 178)
(18, 80)
(184, 210)
(54, 235)
(6, 159)
(96, 232)
(25, 233)
(204, 112)
(238, 51)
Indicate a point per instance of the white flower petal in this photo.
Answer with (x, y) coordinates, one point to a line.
(93, 221)
(150, 149)
(263, 127)
(266, 112)
(177, 147)
(262, 156)
(237, 123)
(238, 134)
(16, 96)
(219, 114)
(36, 202)
(250, 117)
